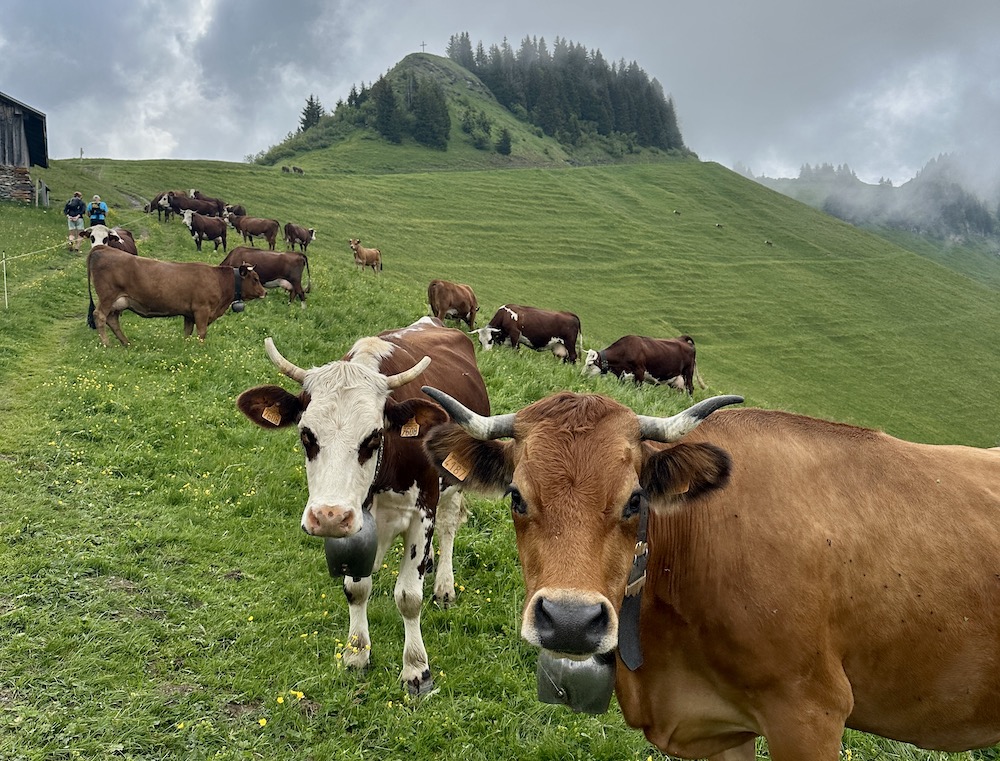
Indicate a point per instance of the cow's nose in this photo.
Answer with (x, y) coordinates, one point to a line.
(329, 520)
(569, 627)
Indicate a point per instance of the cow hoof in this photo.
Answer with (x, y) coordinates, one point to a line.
(421, 686)
(444, 600)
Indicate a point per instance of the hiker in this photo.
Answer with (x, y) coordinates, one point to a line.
(74, 209)
(97, 212)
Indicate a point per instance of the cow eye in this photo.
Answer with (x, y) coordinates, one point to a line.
(369, 446)
(309, 443)
(516, 501)
(634, 505)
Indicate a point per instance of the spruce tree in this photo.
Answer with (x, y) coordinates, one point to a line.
(503, 142)
(388, 120)
(311, 113)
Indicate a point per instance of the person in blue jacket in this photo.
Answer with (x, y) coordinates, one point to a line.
(74, 210)
(97, 211)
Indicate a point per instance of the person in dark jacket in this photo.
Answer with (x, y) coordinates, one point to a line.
(97, 212)
(74, 210)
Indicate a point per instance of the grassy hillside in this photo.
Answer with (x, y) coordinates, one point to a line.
(161, 602)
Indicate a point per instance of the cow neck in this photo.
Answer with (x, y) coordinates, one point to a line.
(373, 489)
(237, 285)
(629, 646)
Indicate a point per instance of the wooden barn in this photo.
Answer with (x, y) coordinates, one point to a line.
(23, 144)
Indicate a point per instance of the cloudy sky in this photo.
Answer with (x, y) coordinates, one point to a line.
(881, 85)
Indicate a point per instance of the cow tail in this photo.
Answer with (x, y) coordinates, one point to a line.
(90, 309)
(697, 376)
(309, 277)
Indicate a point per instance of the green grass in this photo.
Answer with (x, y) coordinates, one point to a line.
(159, 597)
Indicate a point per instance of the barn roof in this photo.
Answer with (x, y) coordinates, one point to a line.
(23, 136)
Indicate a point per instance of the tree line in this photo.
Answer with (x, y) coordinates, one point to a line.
(570, 90)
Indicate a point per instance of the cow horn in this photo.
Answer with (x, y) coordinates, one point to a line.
(477, 426)
(294, 372)
(401, 379)
(667, 429)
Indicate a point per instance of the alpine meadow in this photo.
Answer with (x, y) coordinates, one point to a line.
(160, 600)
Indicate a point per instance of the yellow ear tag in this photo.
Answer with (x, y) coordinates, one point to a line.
(455, 466)
(410, 429)
(683, 488)
(271, 415)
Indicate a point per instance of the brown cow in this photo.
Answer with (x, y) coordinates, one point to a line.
(206, 228)
(298, 234)
(178, 204)
(538, 329)
(199, 292)
(162, 209)
(251, 227)
(800, 576)
(360, 420)
(220, 205)
(670, 361)
(275, 269)
(453, 300)
(366, 257)
(116, 237)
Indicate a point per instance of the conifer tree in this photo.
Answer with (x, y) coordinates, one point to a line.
(388, 120)
(311, 113)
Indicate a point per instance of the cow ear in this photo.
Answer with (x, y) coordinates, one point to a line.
(684, 471)
(270, 406)
(486, 467)
(414, 417)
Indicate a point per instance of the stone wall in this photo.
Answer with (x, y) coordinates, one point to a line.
(16, 184)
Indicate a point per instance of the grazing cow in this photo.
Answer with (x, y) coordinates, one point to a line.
(535, 328)
(361, 420)
(298, 234)
(366, 257)
(178, 204)
(455, 300)
(759, 574)
(238, 209)
(206, 228)
(670, 361)
(117, 237)
(275, 269)
(220, 205)
(297, 170)
(285, 169)
(251, 227)
(768, 243)
(162, 209)
(200, 293)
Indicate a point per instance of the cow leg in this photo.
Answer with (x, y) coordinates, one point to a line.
(357, 651)
(188, 326)
(409, 596)
(112, 320)
(451, 514)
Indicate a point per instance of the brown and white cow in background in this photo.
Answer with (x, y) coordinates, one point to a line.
(366, 257)
(162, 209)
(116, 237)
(178, 204)
(361, 420)
(303, 236)
(206, 228)
(752, 573)
(218, 203)
(200, 293)
(276, 269)
(670, 361)
(452, 300)
(538, 329)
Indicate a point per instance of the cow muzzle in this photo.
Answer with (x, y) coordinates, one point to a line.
(573, 627)
(330, 521)
(353, 555)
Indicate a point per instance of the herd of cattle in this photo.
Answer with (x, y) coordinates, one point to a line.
(729, 574)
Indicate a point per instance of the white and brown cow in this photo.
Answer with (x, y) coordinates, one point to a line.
(752, 573)
(297, 234)
(538, 329)
(206, 228)
(453, 301)
(670, 361)
(200, 293)
(361, 420)
(116, 237)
